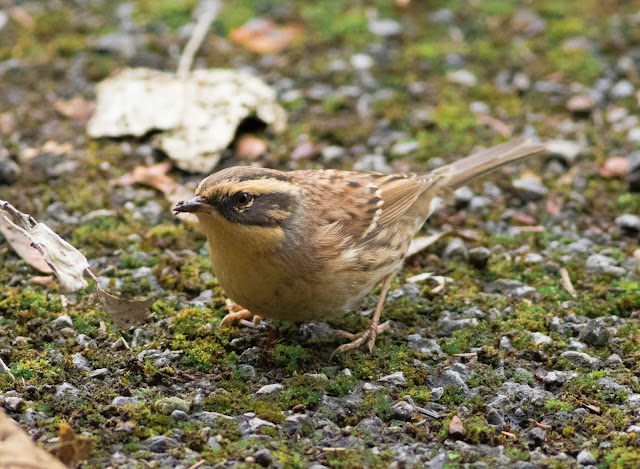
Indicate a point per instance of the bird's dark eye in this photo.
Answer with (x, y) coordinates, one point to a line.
(242, 198)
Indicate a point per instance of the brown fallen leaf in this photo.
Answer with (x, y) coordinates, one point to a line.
(76, 108)
(456, 428)
(21, 244)
(17, 450)
(615, 167)
(566, 282)
(125, 313)
(66, 262)
(540, 425)
(71, 449)
(264, 36)
(496, 124)
(52, 146)
(156, 177)
(510, 435)
(592, 408)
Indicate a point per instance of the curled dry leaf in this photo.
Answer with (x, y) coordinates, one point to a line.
(124, 313)
(156, 177)
(198, 115)
(76, 108)
(71, 449)
(66, 262)
(17, 449)
(21, 244)
(496, 124)
(423, 242)
(264, 36)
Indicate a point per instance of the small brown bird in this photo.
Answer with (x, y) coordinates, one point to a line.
(309, 245)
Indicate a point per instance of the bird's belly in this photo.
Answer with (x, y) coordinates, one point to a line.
(266, 288)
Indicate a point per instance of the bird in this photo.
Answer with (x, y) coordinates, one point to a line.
(309, 245)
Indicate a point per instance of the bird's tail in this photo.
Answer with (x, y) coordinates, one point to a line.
(467, 169)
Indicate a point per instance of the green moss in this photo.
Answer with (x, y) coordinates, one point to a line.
(293, 356)
(452, 396)
(556, 405)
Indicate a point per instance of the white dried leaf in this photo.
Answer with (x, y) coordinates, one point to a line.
(67, 263)
(199, 115)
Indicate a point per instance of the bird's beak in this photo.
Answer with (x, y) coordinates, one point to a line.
(197, 204)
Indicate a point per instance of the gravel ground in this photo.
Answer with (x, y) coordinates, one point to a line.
(503, 367)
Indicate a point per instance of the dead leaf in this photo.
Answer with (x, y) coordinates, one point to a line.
(44, 280)
(71, 449)
(77, 108)
(496, 124)
(17, 450)
(199, 115)
(566, 282)
(264, 36)
(21, 244)
(615, 167)
(156, 177)
(510, 435)
(124, 313)
(58, 148)
(456, 428)
(67, 263)
(592, 408)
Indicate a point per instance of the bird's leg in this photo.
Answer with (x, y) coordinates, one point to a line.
(240, 314)
(373, 328)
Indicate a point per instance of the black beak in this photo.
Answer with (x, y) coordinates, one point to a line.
(197, 204)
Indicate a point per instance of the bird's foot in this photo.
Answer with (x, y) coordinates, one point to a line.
(368, 335)
(238, 314)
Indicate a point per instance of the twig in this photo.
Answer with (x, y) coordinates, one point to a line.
(210, 10)
(5, 369)
(427, 412)
(566, 283)
(198, 464)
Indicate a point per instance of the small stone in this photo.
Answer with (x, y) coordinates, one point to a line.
(495, 418)
(456, 250)
(66, 391)
(80, 362)
(595, 333)
(535, 437)
(599, 264)
(580, 104)
(395, 379)
(634, 135)
(402, 410)
(159, 444)
(585, 458)
(463, 77)
(66, 332)
(622, 89)
(270, 390)
(629, 223)
(214, 442)
(361, 61)
(530, 189)
(249, 371)
(9, 172)
(263, 457)
(121, 401)
(436, 393)
(580, 359)
(61, 322)
(478, 257)
(385, 27)
(426, 346)
(317, 376)
(456, 428)
(404, 148)
(442, 16)
(528, 23)
(539, 338)
(463, 196)
(331, 153)
(13, 403)
(180, 416)
(99, 373)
